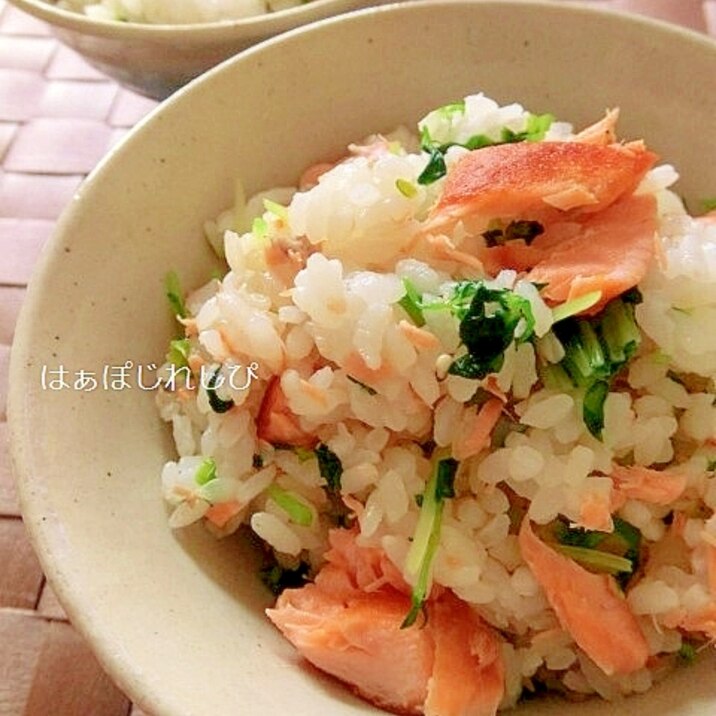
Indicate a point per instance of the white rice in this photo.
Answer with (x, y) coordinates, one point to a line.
(375, 389)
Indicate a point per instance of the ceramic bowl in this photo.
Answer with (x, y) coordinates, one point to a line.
(155, 60)
(176, 617)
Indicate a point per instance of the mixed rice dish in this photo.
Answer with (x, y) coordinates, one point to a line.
(474, 427)
(175, 12)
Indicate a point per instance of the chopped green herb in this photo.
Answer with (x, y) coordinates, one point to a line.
(412, 303)
(446, 111)
(278, 578)
(479, 141)
(259, 228)
(602, 561)
(445, 478)
(466, 367)
(367, 388)
(297, 510)
(624, 543)
(427, 533)
(217, 491)
(276, 209)
(206, 472)
(304, 454)
(330, 467)
(535, 130)
(406, 188)
(175, 295)
(709, 204)
(687, 653)
(595, 351)
(215, 402)
(178, 353)
(507, 136)
(577, 536)
(435, 168)
(585, 359)
(537, 126)
(576, 305)
(619, 332)
(631, 537)
(555, 377)
(488, 319)
(593, 407)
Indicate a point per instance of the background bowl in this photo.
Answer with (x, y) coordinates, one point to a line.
(177, 618)
(156, 60)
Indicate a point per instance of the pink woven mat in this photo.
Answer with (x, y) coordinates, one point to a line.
(53, 131)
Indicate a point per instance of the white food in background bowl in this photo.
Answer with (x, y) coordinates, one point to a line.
(175, 12)
(156, 57)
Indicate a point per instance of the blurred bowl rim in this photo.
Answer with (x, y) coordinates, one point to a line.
(266, 22)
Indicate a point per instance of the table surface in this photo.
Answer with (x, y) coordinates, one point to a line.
(53, 131)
